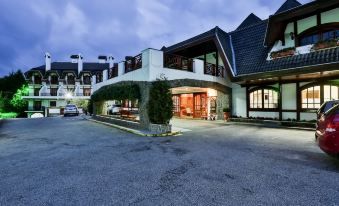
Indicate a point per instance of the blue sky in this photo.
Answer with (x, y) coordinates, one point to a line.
(29, 28)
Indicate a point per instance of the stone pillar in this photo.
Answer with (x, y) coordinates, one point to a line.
(223, 100)
(143, 110)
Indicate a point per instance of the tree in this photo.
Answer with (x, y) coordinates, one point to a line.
(18, 103)
(160, 104)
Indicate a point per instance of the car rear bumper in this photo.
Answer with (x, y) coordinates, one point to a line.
(328, 143)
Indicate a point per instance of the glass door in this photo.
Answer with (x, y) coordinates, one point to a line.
(200, 105)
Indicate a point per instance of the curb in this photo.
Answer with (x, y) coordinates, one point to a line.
(133, 131)
(273, 126)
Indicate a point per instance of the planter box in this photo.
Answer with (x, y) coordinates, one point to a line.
(280, 54)
(160, 128)
(325, 45)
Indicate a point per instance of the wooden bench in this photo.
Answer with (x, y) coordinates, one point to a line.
(125, 114)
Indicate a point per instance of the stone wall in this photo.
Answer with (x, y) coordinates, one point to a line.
(223, 100)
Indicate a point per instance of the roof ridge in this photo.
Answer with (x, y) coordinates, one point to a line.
(252, 25)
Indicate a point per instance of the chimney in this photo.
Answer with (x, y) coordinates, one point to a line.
(77, 59)
(47, 61)
(110, 61)
(102, 59)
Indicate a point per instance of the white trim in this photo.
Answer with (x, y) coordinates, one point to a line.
(225, 55)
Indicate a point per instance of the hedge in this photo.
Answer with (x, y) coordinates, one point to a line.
(117, 92)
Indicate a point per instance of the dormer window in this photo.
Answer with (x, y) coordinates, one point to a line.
(315, 35)
(307, 40)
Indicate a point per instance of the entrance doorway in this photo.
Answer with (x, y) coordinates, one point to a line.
(190, 105)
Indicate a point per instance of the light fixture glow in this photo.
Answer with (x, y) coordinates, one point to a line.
(68, 95)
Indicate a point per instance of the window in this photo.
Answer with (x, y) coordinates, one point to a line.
(330, 92)
(307, 40)
(87, 80)
(334, 34)
(310, 98)
(54, 91)
(52, 103)
(54, 79)
(264, 99)
(87, 92)
(37, 105)
(36, 91)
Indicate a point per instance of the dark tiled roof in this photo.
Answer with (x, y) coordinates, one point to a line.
(289, 4)
(205, 35)
(215, 33)
(248, 47)
(251, 55)
(250, 20)
(61, 67)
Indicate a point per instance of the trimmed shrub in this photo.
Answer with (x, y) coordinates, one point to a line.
(160, 104)
(117, 92)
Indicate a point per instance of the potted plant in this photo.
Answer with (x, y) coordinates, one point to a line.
(283, 53)
(227, 113)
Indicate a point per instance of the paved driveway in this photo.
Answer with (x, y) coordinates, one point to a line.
(71, 161)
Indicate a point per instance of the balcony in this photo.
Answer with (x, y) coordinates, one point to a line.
(178, 62)
(133, 63)
(155, 64)
(113, 72)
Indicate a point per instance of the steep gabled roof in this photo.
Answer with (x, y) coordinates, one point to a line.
(219, 36)
(289, 4)
(250, 20)
(61, 67)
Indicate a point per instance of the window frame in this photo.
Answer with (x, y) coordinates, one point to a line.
(262, 89)
(322, 93)
(317, 30)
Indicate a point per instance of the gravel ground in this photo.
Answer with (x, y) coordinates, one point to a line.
(72, 161)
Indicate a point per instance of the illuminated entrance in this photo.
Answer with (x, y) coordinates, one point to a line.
(194, 102)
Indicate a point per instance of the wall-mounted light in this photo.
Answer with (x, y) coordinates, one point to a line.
(292, 35)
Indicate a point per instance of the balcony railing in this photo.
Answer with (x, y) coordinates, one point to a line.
(69, 82)
(133, 63)
(113, 72)
(178, 62)
(84, 94)
(214, 70)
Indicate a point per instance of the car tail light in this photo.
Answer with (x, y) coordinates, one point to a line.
(332, 123)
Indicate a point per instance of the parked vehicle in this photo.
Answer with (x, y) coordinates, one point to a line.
(325, 107)
(327, 131)
(71, 109)
(115, 109)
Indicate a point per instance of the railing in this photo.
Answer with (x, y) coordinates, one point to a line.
(69, 82)
(178, 62)
(133, 63)
(45, 94)
(84, 94)
(212, 69)
(113, 72)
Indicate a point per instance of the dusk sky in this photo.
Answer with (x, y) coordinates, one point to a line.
(29, 28)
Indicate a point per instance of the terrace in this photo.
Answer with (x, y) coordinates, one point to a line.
(152, 64)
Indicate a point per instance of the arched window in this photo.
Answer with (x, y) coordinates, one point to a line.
(319, 33)
(313, 96)
(264, 98)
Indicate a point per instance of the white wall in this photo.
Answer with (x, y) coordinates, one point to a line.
(265, 114)
(238, 100)
(308, 116)
(153, 68)
(289, 96)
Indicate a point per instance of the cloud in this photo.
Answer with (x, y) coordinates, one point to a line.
(120, 27)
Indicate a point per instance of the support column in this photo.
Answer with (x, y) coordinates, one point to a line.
(298, 101)
(280, 102)
(247, 103)
(143, 109)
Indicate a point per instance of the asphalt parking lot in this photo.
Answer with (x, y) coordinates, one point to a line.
(73, 161)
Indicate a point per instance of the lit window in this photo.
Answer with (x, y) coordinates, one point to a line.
(264, 98)
(330, 92)
(310, 98)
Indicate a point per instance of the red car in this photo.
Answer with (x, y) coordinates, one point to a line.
(327, 132)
